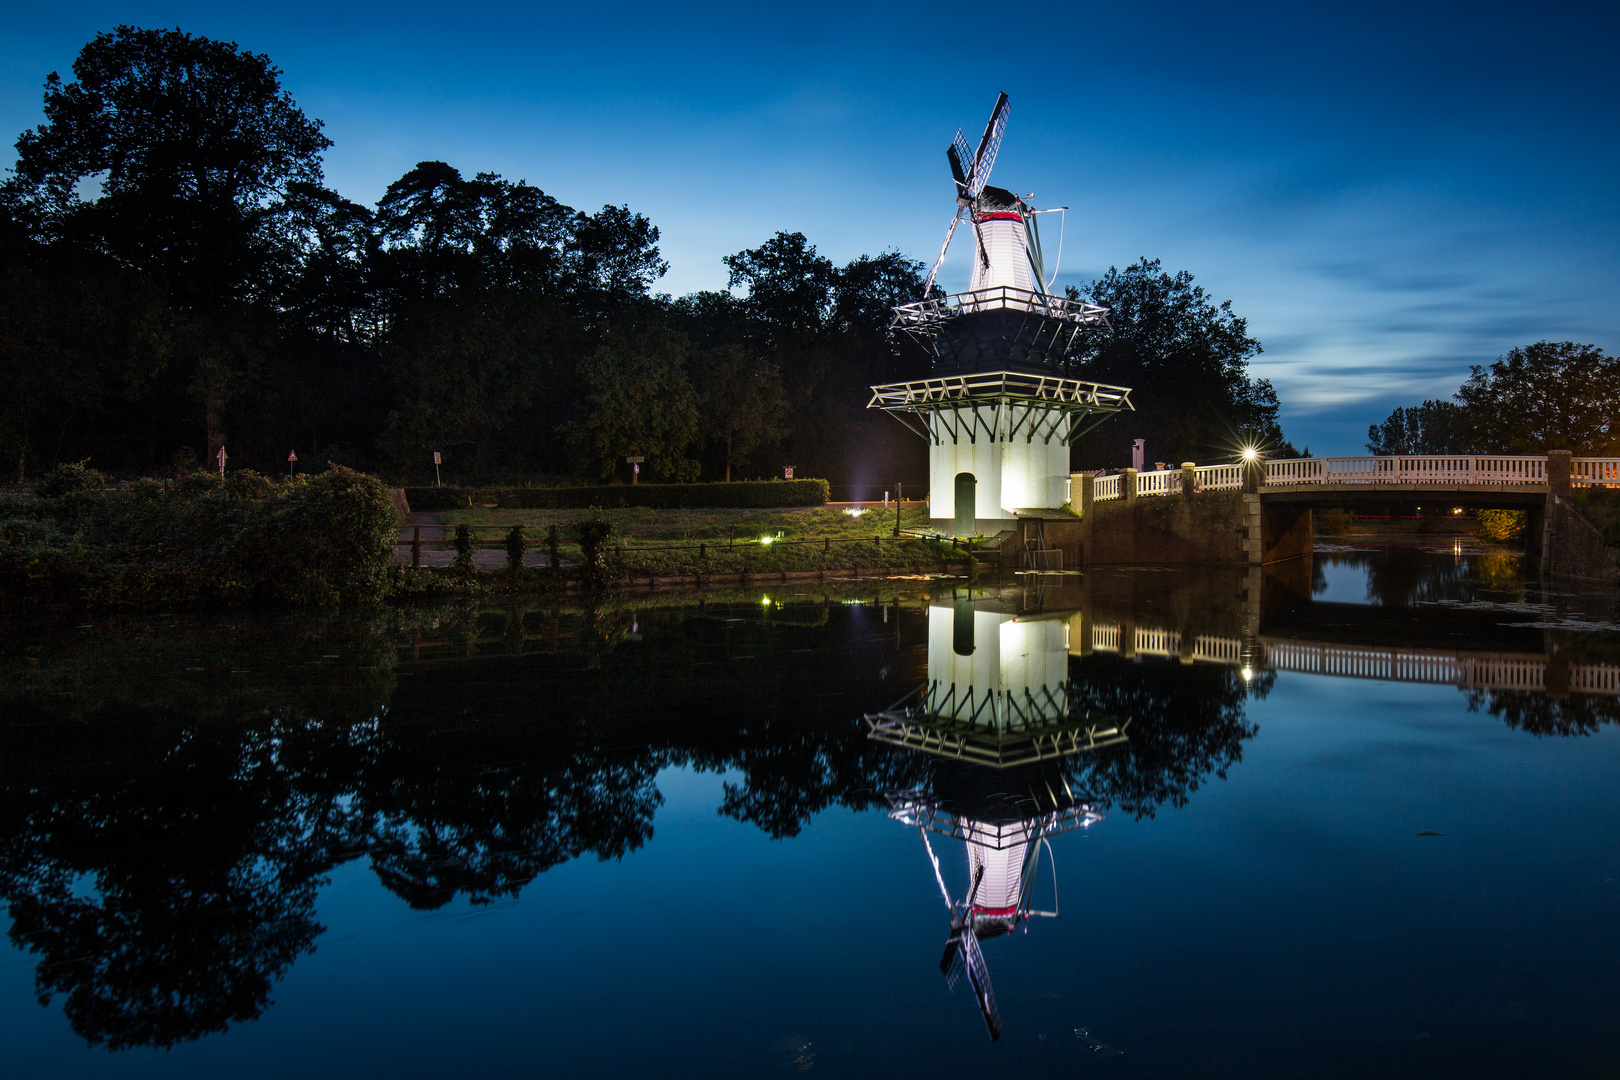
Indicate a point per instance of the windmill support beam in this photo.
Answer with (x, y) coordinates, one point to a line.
(1010, 430)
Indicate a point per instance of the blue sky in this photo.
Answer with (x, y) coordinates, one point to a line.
(1387, 192)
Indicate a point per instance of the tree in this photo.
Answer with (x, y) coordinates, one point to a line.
(1546, 396)
(744, 405)
(1434, 427)
(469, 280)
(1185, 359)
(637, 401)
(193, 144)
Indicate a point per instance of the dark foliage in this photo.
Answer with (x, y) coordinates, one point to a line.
(747, 494)
(199, 540)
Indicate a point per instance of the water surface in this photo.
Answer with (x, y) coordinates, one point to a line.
(1354, 816)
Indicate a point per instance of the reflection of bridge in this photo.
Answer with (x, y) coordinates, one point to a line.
(1461, 668)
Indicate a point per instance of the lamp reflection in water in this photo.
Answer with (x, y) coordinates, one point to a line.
(1013, 741)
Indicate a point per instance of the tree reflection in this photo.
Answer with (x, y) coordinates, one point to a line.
(1540, 714)
(167, 876)
(173, 797)
(1187, 723)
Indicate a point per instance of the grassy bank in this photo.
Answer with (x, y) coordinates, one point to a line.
(646, 541)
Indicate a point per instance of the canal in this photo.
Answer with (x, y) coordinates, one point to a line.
(1349, 816)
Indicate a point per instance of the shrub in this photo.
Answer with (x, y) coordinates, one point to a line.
(69, 478)
(247, 484)
(592, 535)
(1501, 526)
(327, 540)
(1333, 522)
(463, 543)
(750, 494)
(514, 549)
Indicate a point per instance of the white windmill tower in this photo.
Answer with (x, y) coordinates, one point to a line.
(1002, 406)
(1012, 737)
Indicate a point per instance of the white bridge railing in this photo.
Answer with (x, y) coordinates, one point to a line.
(1491, 470)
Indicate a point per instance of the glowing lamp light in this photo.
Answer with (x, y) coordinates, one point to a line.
(765, 601)
(854, 511)
(1250, 453)
(766, 539)
(1248, 673)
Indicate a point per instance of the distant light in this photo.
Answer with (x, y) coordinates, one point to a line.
(1248, 673)
(765, 600)
(1457, 510)
(1250, 453)
(766, 539)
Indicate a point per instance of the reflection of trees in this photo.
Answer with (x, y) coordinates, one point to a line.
(1539, 714)
(166, 876)
(1187, 721)
(442, 823)
(162, 839)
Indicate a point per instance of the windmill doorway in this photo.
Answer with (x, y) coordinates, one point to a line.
(967, 492)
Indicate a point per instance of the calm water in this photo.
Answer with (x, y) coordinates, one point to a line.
(1356, 818)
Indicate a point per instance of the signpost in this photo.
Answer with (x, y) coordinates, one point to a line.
(221, 457)
(635, 467)
(292, 459)
(436, 468)
(787, 472)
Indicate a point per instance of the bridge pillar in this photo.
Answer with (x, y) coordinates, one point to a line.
(1559, 465)
(1189, 478)
(1127, 483)
(1535, 536)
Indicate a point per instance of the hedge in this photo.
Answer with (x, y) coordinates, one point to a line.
(751, 494)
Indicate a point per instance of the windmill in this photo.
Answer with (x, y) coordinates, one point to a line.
(1003, 860)
(1003, 359)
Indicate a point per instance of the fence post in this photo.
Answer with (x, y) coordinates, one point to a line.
(1189, 478)
(416, 547)
(1127, 484)
(1088, 493)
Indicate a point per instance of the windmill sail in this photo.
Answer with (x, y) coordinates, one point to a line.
(979, 977)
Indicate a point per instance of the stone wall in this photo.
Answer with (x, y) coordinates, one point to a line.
(1574, 547)
(1211, 527)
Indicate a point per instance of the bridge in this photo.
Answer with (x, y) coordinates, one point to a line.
(1279, 495)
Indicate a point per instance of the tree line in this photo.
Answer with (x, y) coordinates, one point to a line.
(176, 276)
(1547, 396)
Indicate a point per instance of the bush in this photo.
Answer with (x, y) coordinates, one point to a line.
(514, 549)
(69, 478)
(247, 484)
(326, 540)
(592, 535)
(463, 565)
(1332, 522)
(1501, 526)
(751, 494)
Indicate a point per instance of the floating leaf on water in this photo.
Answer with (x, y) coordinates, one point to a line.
(1101, 1049)
(1430, 832)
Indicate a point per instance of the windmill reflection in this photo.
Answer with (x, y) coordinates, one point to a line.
(1012, 736)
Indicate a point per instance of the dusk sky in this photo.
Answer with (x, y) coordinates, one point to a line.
(1387, 195)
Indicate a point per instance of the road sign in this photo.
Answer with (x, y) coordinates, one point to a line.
(221, 458)
(435, 457)
(634, 460)
(787, 472)
(292, 455)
